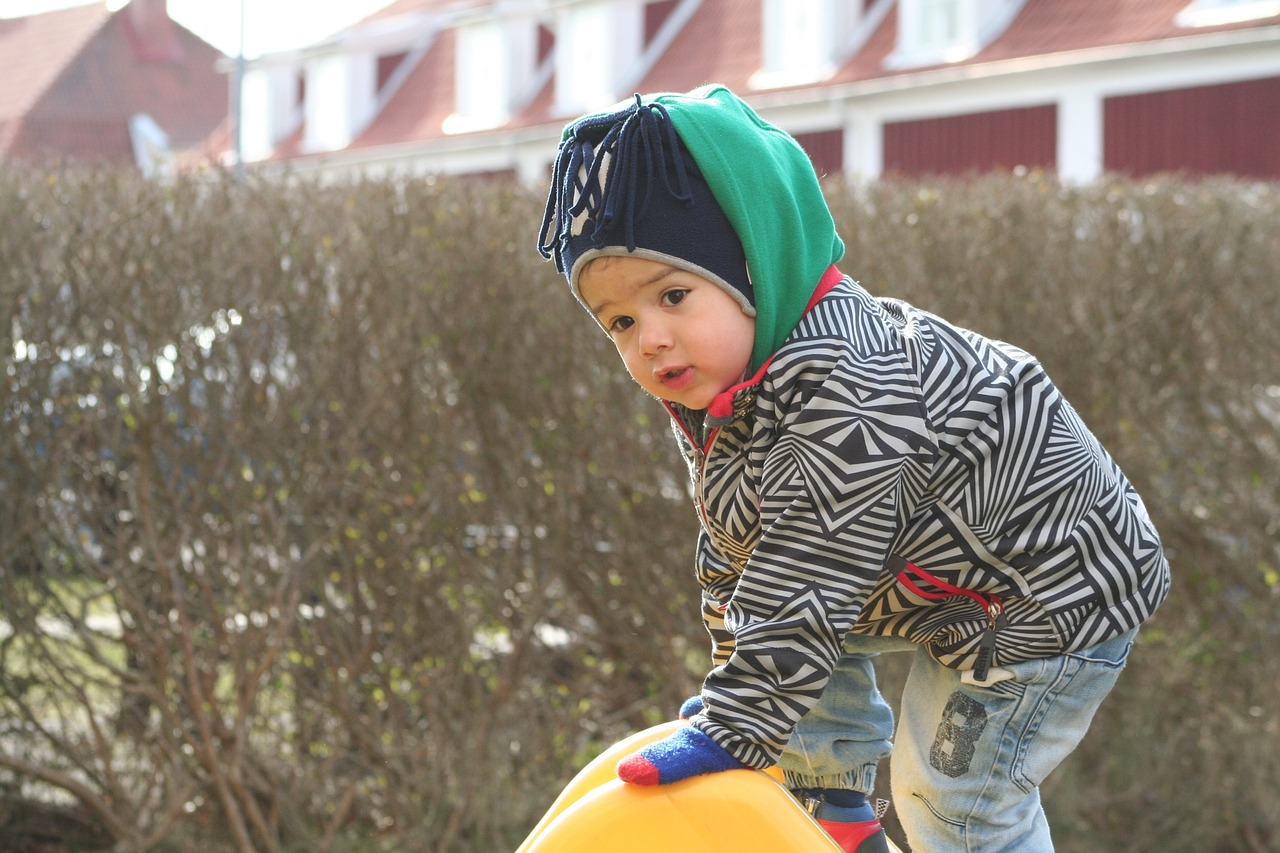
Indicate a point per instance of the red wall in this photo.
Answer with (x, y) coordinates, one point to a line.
(977, 142)
(825, 149)
(1230, 128)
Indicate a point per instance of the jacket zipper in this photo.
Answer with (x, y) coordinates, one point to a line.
(700, 454)
(989, 602)
(704, 453)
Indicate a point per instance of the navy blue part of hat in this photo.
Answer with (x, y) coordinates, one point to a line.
(624, 182)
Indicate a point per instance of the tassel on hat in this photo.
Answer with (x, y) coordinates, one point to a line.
(625, 184)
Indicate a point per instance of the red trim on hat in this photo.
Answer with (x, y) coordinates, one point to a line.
(829, 280)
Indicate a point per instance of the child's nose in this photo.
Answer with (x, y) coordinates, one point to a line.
(654, 337)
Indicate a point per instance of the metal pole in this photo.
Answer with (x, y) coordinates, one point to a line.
(238, 106)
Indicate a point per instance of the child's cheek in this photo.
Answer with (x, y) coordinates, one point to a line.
(638, 372)
(634, 374)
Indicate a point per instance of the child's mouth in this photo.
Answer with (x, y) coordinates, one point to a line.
(676, 378)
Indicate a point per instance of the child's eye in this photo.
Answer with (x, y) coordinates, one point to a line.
(674, 297)
(619, 324)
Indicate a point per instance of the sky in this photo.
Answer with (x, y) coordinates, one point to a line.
(269, 25)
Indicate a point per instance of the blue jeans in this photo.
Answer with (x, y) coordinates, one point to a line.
(969, 758)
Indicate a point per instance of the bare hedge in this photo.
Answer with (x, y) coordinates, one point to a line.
(329, 522)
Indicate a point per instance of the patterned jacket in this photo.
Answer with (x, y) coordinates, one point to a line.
(889, 473)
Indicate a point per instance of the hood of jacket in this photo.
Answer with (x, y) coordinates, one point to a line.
(767, 187)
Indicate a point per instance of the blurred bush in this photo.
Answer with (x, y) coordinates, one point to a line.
(330, 523)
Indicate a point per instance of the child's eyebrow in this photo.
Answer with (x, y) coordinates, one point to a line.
(656, 278)
(598, 308)
(659, 276)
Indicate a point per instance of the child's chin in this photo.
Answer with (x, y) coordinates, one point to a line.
(691, 403)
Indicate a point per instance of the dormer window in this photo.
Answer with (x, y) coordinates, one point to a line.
(1212, 13)
(272, 107)
(496, 58)
(934, 32)
(802, 40)
(934, 26)
(600, 47)
(481, 96)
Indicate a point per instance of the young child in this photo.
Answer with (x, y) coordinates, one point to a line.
(868, 476)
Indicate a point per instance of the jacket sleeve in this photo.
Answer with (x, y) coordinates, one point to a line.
(852, 447)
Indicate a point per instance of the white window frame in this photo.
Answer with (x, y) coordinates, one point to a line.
(934, 32)
(599, 46)
(584, 60)
(801, 40)
(1212, 13)
(482, 95)
(494, 69)
(936, 25)
(340, 100)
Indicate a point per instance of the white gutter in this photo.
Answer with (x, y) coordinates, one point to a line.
(1092, 56)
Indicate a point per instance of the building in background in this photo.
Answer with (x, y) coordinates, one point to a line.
(89, 84)
(870, 87)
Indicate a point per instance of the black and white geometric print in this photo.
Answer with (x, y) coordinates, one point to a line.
(882, 435)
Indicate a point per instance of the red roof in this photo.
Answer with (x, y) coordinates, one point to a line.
(422, 103)
(73, 79)
(1052, 26)
(721, 43)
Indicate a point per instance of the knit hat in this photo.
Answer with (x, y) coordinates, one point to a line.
(626, 185)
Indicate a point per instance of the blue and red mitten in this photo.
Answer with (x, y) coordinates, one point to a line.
(691, 707)
(679, 756)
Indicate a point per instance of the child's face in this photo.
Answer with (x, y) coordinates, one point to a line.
(682, 337)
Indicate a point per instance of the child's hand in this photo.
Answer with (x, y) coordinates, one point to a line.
(686, 753)
(691, 707)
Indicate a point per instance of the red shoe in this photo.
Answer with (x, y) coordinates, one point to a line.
(863, 837)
